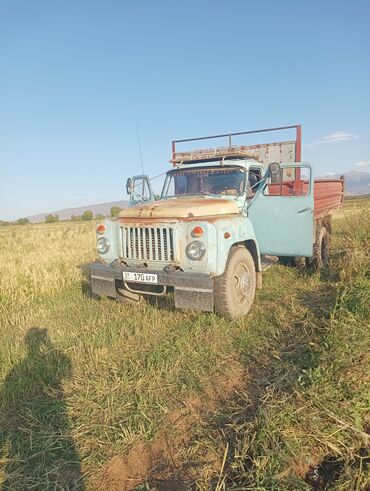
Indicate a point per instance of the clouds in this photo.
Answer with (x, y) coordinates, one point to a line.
(363, 164)
(339, 136)
(336, 137)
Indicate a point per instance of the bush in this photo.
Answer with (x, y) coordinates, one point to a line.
(87, 215)
(114, 211)
(23, 221)
(99, 216)
(51, 218)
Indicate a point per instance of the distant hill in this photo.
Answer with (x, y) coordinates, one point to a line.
(99, 208)
(355, 182)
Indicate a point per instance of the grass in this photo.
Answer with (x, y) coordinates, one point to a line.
(278, 400)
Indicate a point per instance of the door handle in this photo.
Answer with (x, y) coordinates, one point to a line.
(304, 209)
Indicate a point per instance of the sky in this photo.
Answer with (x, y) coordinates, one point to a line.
(78, 77)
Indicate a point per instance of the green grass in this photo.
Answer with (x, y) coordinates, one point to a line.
(278, 400)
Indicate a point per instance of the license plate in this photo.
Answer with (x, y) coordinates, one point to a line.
(140, 277)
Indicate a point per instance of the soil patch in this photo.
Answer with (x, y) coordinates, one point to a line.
(162, 463)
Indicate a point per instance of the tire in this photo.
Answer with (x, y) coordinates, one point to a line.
(235, 289)
(300, 262)
(321, 250)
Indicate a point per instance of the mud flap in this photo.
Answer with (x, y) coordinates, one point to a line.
(103, 286)
(194, 298)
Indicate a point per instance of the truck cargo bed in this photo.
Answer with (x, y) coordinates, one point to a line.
(328, 196)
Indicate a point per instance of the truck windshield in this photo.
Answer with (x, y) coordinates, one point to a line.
(205, 181)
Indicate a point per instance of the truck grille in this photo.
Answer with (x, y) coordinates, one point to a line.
(148, 243)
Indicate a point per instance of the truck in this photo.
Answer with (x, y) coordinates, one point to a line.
(224, 215)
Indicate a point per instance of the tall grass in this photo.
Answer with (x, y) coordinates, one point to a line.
(303, 419)
(84, 379)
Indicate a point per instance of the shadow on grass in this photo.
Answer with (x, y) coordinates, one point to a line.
(35, 441)
(306, 270)
(327, 472)
(273, 376)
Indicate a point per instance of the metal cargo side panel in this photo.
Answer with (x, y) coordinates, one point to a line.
(276, 152)
(265, 153)
(328, 196)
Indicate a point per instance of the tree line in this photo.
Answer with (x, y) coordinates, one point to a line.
(86, 216)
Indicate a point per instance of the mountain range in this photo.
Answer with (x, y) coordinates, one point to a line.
(356, 182)
(67, 213)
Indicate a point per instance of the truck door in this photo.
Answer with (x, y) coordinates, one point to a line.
(282, 213)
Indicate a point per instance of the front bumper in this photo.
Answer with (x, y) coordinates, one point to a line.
(192, 290)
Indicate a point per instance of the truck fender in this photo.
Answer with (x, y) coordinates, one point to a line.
(252, 246)
(240, 233)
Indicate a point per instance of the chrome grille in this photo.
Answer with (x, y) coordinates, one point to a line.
(148, 243)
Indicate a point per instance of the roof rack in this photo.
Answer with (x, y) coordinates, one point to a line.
(265, 153)
(200, 155)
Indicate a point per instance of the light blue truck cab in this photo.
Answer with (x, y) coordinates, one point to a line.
(220, 213)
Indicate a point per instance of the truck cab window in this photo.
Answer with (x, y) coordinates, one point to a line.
(228, 181)
(293, 181)
(254, 178)
(141, 190)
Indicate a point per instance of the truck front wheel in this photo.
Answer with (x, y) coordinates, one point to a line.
(234, 290)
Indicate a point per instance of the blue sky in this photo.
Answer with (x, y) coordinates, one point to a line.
(76, 77)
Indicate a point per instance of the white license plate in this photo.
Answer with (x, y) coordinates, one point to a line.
(140, 277)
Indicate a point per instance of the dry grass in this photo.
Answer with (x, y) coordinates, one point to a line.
(94, 379)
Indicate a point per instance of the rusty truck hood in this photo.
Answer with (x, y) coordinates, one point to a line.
(186, 207)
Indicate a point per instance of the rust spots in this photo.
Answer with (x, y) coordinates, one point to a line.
(152, 221)
(142, 222)
(199, 206)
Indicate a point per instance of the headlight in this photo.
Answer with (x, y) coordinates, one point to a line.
(195, 250)
(102, 245)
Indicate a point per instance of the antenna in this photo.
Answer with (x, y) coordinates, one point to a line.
(139, 145)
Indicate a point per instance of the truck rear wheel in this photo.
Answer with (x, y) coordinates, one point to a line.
(321, 252)
(234, 290)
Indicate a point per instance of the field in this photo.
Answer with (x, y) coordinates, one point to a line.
(96, 394)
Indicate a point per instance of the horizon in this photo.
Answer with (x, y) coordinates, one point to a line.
(87, 207)
(79, 79)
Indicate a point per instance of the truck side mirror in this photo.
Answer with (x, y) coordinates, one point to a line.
(129, 185)
(274, 170)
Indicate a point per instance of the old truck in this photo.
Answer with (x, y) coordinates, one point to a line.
(223, 214)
